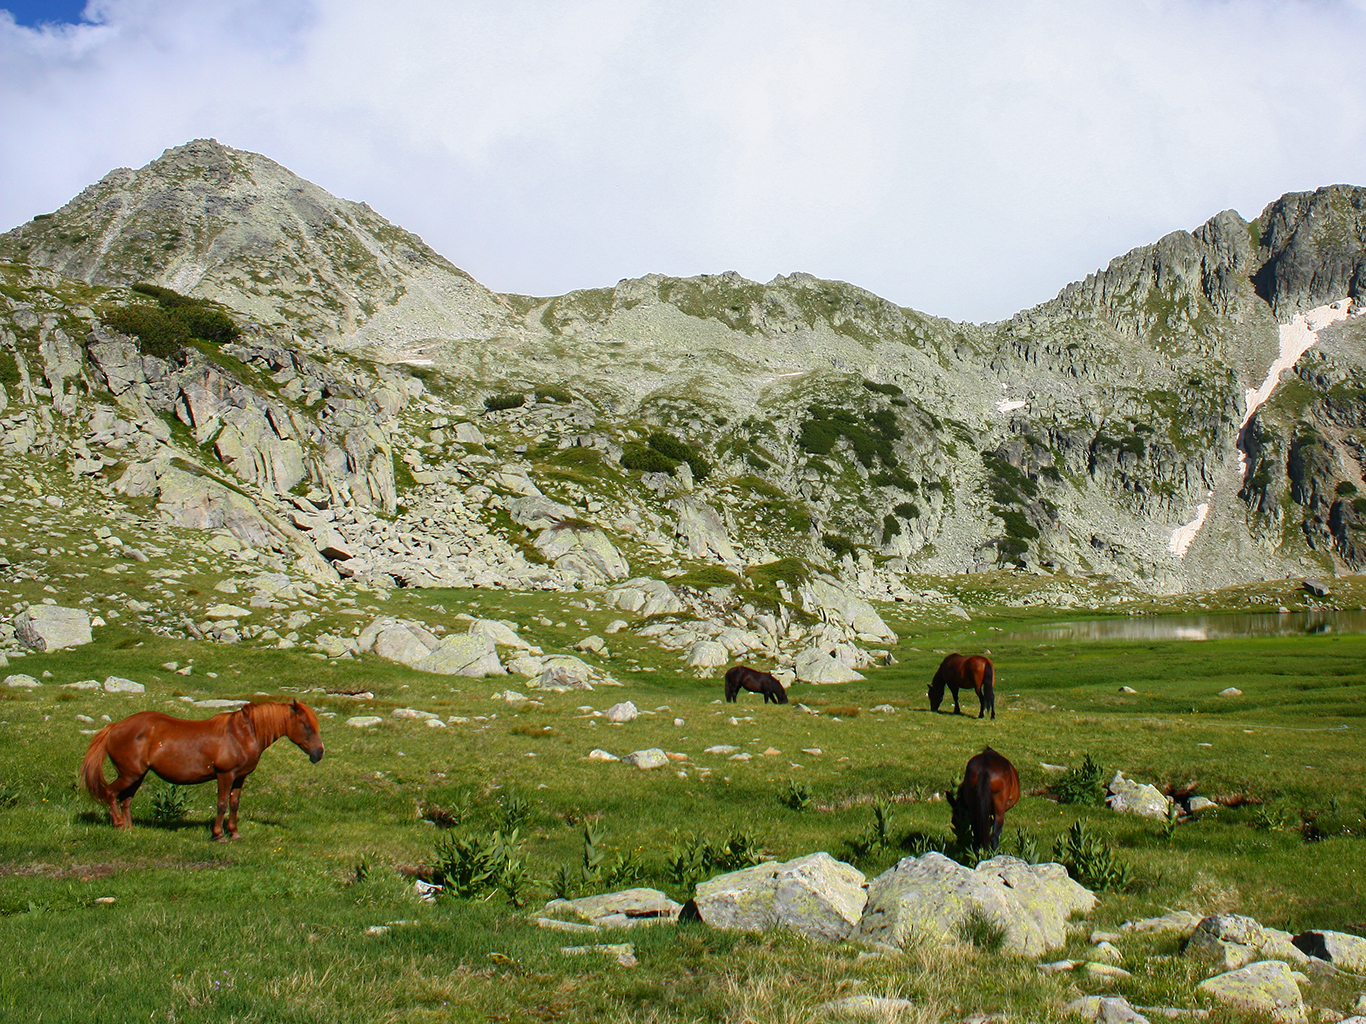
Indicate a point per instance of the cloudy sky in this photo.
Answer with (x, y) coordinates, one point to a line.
(965, 158)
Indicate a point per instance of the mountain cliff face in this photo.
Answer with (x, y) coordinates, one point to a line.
(710, 419)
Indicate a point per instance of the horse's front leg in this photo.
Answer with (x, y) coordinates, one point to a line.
(956, 709)
(225, 781)
(234, 798)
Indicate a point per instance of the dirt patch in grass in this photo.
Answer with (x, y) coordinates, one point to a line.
(90, 872)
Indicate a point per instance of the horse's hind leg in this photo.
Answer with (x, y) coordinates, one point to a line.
(121, 793)
(224, 789)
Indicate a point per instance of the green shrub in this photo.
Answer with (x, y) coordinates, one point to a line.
(1017, 525)
(907, 510)
(706, 577)
(798, 797)
(199, 316)
(891, 527)
(1090, 860)
(672, 448)
(645, 459)
(157, 332)
(697, 857)
(882, 389)
(9, 368)
(1082, 785)
(1346, 487)
(474, 865)
(838, 544)
(497, 403)
(168, 805)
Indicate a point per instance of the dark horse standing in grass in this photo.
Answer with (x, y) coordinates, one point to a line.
(991, 786)
(960, 673)
(754, 681)
(186, 753)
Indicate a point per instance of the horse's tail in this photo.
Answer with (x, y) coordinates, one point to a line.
(989, 687)
(92, 767)
(732, 684)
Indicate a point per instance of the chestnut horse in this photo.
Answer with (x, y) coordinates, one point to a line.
(991, 786)
(186, 753)
(957, 672)
(755, 682)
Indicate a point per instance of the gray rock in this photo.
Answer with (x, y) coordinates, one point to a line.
(583, 551)
(1265, 987)
(1130, 797)
(1338, 948)
(463, 654)
(934, 896)
(815, 895)
(400, 640)
(624, 712)
(638, 905)
(822, 664)
(646, 759)
(1180, 922)
(702, 530)
(1200, 804)
(414, 713)
(538, 512)
(827, 597)
(707, 654)
(500, 633)
(645, 597)
(49, 627)
(1229, 941)
(1106, 1009)
(1231, 691)
(115, 684)
(20, 681)
(363, 721)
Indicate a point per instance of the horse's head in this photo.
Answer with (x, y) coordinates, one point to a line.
(303, 731)
(936, 693)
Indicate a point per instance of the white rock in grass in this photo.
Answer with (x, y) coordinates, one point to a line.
(644, 759)
(83, 684)
(598, 754)
(22, 681)
(46, 627)
(424, 716)
(1265, 987)
(1231, 691)
(227, 611)
(114, 684)
(363, 721)
(1105, 1009)
(626, 711)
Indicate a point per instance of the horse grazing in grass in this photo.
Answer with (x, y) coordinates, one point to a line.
(991, 786)
(186, 753)
(960, 673)
(754, 681)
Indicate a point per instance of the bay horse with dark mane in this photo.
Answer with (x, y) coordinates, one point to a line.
(186, 752)
(741, 677)
(990, 787)
(960, 673)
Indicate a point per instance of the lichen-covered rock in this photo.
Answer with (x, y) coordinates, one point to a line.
(822, 663)
(702, 530)
(1180, 922)
(400, 640)
(1346, 951)
(583, 551)
(1106, 1009)
(633, 905)
(1130, 797)
(463, 654)
(1266, 986)
(654, 757)
(645, 597)
(815, 895)
(826, 597)
(1228, 941)
(707, 654)
(933, 896)
(49, 627)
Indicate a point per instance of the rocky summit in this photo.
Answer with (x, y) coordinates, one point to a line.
(210, 358)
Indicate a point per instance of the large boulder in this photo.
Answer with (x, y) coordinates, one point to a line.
(500, 633)
(827, 597)
(644, 597)
(1229, 941)
(259, 447)
(537, 511)
(822, 663)
(48, 627)
(934, 896)
(1347, 951)
(1130, 797)
(702, 530)
(1266, 987)
(582, 550)
(816, 895)
(464, 654)
(707, 654)
(400, 640)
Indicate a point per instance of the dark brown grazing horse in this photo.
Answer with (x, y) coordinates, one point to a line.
(991, 786)
(186, 753)
(754, 681)
(960, 673)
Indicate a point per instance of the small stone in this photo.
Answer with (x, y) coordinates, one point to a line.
(1231, 691)
(1106, 952)
(363, 721)
(106, 899)
(721, 748)
(1058, 967)
(413, 713)
(114, 684)
(84, 684)
(601, 755)
(1199, 804)
(227, 611)
(645, 759)
(623, 712)
(1127, 689)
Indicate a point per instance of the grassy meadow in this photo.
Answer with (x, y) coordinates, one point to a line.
(273, 927)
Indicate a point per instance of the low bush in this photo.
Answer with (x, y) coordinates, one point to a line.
(644, 459)
(168, 804)
(1084, 784)
(157, 332)
(1090, 860)
(498, 403)
(838, 544)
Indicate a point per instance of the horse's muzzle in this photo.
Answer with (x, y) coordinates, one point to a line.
(315, 755)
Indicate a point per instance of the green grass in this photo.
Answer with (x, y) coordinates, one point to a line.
(277, 919)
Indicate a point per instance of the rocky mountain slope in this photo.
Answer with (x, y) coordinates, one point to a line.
(760, 458)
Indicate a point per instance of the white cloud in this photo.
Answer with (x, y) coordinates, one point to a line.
(965, 159)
